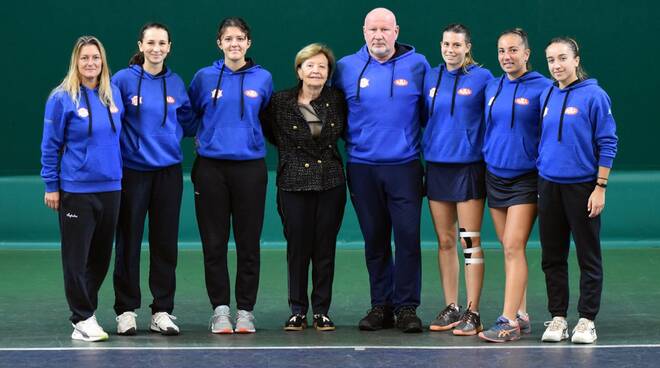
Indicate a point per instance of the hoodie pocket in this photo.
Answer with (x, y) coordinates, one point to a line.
(564, 161)
(509, 151)
(161, 149)
(102, 163)
(449, 144)
(381, 143)
(235, 142)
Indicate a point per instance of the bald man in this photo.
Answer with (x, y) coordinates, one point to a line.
(382, 83)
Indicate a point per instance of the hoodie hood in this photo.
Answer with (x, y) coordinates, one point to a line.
(138, 71)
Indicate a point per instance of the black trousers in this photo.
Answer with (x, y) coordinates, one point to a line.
(159, 194)
(562, 213)
(87, 228)
(228, 190)
(311, 221)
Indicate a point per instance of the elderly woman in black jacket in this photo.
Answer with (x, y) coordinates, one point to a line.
(305, 123)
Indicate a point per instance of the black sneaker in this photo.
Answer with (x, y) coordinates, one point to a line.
(323, 323)
(447, 319)
(377, 318)
(407, 320)
(297, 322)
(469, 325)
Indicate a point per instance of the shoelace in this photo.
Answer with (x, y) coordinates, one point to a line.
(445, 312)
(582, 326)
(405, 311)
(245, 315)
(323, 317)
(217, 316)
(555, 325)
(469, 317)
(377, 310)
(294, 317)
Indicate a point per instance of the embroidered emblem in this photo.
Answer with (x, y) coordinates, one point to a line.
(522, 101)
(545, 112)
(216, 93)
(114, 109)
(464, 91)
(134, 100)
(170, 100)
(571, 110)
(401, 82)
(490, 102)
(251, 93)
(82, 112)
(432, 92)
(364, 83)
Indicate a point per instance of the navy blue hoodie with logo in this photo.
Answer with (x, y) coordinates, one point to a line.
(157, 115)
(454, 105)
(384, 105)
(513, 113)
(228, 103)
(80, 150)
(578, 133)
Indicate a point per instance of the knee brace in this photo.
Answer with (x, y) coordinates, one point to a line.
(469, 250)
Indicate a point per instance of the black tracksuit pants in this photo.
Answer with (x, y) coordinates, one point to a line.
(158, 193)
(311, 221)
(229, 190)
(562, 213)
(87, 229)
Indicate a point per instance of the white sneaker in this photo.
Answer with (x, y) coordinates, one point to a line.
(88, 330)
(245, 322)
(584, 332)
(126, 324)
(162, 322)
(220, 321)
(556, 331)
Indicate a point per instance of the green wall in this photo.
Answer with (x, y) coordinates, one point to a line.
(618, 42)
(630, 218)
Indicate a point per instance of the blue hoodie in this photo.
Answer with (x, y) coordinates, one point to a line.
(454, 124)
(578, 133)
(384, 105)
(512, 124)
(80, 146)
(151, 137)
(230, 128)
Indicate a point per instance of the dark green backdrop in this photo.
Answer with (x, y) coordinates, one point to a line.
(618, 41)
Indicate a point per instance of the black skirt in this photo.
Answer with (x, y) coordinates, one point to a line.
(507, 192)
(455, 182)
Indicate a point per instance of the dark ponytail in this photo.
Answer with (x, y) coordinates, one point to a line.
(138, 56)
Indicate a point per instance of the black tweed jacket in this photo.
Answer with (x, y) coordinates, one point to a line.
(305, 163)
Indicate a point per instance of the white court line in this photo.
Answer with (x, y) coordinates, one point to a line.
(357, 348)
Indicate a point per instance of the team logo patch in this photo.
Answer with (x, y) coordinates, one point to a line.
(216, 93)
(134, 100)
(432, 92)
(82, 112)
(545, 112)
(251, 93)
(490, 102)
(364, 83)
(114, 109)
(522, 101)
(170, 100)
(571, 110)
(401, 82)
(464, 91)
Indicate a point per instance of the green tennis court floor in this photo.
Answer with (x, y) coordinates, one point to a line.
(34, 311)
